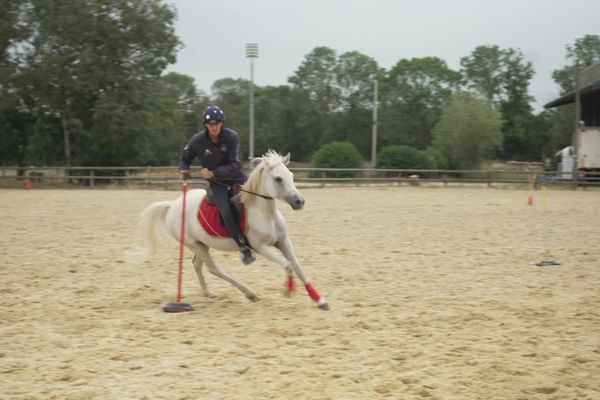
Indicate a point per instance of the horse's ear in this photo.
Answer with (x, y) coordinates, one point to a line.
(255, 161)
(286, 159)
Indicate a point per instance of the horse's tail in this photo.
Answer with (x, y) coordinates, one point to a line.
(153, 227)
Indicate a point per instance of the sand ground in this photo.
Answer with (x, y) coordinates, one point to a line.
(434, 294)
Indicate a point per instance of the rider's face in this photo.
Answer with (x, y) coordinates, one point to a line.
(214, 130)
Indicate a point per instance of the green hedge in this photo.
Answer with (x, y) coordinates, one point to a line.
(337, 155)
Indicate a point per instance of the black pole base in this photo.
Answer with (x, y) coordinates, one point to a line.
(177, 307)
(546, 263)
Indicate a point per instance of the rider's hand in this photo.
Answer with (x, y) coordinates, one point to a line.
(206, 173)
(184, 175)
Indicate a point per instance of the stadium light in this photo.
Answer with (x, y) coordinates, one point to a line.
(251, 53)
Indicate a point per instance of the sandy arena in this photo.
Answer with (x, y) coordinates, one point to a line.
(434, 294)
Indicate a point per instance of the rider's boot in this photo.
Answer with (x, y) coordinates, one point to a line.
(246, 253)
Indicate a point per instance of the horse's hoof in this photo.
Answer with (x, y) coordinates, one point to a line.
(288, 293)
(323, 305)
(252, 297)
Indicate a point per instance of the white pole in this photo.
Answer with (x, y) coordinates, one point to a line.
(374, 132)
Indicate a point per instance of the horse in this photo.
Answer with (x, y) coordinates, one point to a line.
(270, 180)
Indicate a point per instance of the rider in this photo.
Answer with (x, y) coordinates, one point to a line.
(218, 149)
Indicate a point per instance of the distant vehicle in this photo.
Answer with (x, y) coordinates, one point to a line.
(588, 159)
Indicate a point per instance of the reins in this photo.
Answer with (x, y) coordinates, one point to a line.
(243, 190)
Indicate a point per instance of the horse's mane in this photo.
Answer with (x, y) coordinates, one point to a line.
(268, 160)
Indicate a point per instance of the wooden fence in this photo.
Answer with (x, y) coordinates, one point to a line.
(167, 177)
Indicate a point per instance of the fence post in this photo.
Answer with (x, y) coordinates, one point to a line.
(489, 176)
(91, 178)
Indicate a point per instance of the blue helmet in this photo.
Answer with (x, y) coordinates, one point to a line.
(213, 114)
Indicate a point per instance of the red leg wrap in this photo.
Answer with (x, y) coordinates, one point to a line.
(291, 284)
(312, 292)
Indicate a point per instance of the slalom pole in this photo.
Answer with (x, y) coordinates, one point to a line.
(179, 306)
(548, 261)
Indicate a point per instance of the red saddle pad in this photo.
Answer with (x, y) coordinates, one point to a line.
(208, 216)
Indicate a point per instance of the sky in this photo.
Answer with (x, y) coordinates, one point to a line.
(215, 33)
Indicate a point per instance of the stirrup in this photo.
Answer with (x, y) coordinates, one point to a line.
(247, 255)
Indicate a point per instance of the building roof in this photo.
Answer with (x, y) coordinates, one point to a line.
(589, 81)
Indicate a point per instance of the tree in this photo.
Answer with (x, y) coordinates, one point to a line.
(232, 96)
(469, 131)
(80, 55)
(412, 96)
(503, 77)
(340, 91)
(285, 123)
(316, 76)
(351, 119)
(585, 50)
(482, 72)
(168, 111)
(190, 101)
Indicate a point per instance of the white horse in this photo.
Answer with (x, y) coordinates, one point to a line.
(266, 232)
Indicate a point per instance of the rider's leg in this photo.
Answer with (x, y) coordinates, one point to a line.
(222, 201)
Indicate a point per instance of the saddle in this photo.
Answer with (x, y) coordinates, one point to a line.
(210, 218)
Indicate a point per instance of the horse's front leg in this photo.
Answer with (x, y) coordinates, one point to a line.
(288, 259)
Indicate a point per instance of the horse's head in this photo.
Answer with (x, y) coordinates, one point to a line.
(271, 177)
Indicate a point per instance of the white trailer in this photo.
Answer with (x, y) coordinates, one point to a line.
(589, 149)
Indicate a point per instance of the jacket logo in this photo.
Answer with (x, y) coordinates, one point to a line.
(207, 151)
(223, 149)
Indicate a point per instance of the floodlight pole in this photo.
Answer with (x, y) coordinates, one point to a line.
(251, 53)
(374, 129)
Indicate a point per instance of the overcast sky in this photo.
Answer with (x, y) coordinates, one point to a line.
(215, 33)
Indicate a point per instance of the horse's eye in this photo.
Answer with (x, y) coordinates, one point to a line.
(278, 179)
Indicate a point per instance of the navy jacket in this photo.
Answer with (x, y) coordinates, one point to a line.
(222, 158)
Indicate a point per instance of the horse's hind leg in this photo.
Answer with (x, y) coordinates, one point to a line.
(203, 254)
(197, 262)
(290, 284)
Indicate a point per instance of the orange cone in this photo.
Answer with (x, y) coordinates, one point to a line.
(29, 185)
(530, 201)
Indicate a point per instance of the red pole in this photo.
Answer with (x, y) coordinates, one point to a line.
(181, 242)
(179, 306)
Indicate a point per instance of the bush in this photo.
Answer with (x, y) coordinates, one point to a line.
(337, 155)
(438, 159)
(404, 157)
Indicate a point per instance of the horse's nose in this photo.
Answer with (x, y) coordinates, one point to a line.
(298, 203)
